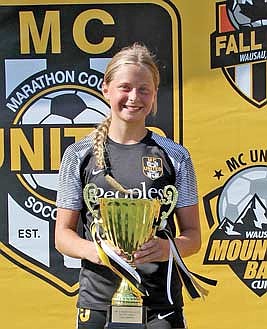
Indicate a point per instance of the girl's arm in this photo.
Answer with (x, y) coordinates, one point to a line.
(68, 241)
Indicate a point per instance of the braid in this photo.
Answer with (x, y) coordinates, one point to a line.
(99, 141)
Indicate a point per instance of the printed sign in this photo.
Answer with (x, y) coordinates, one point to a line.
(239, 47)
(238, 211)
(52, 66)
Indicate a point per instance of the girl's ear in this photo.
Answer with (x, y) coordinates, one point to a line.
(105, 91)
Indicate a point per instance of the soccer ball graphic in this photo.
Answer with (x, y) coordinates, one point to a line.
(247, 13)
(64, 107)
(240, 189)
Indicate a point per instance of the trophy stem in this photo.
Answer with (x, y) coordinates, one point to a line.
(125, 296)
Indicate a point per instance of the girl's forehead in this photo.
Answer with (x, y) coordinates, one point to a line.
(132, 71)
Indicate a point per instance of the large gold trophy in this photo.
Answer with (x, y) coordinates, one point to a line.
(127, 224)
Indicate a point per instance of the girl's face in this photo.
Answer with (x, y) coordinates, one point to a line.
(131, 93)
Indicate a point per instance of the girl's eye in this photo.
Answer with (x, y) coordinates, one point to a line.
(124, 88)
(144, 90)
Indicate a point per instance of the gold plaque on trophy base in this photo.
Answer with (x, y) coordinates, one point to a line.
(126, 317)
(127, 314)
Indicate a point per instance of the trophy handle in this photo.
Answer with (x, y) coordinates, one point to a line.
(90, 198)
(170, 198)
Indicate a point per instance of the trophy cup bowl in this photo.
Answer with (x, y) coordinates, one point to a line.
(128, 223)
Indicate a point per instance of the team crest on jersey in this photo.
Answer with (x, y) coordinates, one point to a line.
(239, 222)
(152, 167)
(239, 47)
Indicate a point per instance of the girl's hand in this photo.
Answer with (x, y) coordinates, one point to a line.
(96, 259)
(155, 250)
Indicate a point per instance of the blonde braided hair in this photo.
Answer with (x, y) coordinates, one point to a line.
(100, 136)
(136, 54)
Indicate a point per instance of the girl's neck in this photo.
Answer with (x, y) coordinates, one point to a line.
(127, 133)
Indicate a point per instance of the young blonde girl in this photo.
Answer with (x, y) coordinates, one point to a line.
(117, 158)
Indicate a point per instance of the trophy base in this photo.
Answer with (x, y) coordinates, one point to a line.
(114, 325)
(126, 317)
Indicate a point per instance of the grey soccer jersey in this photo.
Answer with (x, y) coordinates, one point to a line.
(143, 169)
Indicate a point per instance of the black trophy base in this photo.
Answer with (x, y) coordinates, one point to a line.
(126, 317)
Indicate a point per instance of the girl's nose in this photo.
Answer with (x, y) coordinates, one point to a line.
(132, 95)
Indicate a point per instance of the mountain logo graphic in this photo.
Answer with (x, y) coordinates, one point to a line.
(240, 239)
